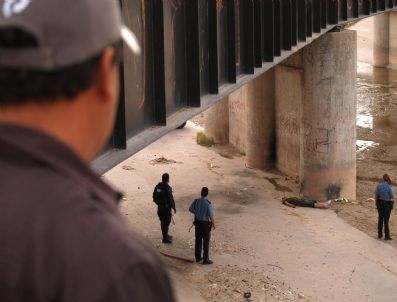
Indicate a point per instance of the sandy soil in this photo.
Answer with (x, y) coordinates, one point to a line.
(260, 246)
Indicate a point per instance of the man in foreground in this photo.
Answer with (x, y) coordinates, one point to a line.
(61, 235)
(204, 220)
(163, 198)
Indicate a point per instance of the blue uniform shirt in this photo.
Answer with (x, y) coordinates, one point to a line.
(202, 209)
(384, 191)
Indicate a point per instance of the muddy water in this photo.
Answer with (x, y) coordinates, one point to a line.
(376, 121)
(376, 146)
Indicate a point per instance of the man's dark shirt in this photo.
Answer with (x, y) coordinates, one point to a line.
(162, 196)
(62, 238)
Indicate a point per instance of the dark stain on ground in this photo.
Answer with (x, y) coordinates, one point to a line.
(333, 192)
(245, 173)
(233, 200)
(277, 186)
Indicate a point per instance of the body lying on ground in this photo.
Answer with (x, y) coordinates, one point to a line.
(303, 202)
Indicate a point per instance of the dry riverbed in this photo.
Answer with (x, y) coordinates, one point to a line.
(274, 252)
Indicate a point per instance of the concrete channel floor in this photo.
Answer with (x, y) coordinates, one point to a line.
(303, 251)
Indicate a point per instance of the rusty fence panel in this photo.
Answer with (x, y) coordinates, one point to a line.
(197, 51)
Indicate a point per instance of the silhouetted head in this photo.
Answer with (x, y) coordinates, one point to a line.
(387, 178)
(204, 192)
(165, 177)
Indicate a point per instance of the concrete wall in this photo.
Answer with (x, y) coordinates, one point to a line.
(217, 121)
(260, 101)
(393, 40)
(238, 120)
(381, 40)
(289, 119)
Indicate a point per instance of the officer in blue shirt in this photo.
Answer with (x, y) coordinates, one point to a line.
(384, 204)
(204, 220)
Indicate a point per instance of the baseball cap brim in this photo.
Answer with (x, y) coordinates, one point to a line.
(130, 40)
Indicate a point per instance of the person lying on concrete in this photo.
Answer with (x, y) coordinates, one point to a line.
(302, 202)
(162, 196)
(61, 233)
(204, 220)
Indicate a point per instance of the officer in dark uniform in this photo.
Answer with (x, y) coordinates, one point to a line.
(384, 197)
(204, 220)
(162, 196)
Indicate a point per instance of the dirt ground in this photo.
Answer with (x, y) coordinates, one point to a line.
(274, 252)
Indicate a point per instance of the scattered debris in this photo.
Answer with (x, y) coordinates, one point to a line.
(341, 200)
(163, 161)
(234, 283)
(128, 168)
(269, 264)
(247, 295)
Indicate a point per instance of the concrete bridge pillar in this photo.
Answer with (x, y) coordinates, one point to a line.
(238, 120)
(217, 121)
(289, 116)
(393, 40)
(329, 117)
(381, 40)
(260, 102)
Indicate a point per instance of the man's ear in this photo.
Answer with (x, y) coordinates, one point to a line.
(107, 81)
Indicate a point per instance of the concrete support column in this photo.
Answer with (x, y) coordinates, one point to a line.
(238, 120)
(381, 40)
(393, 40)
(217, 121)
(329, 117)
(259, 95)
(289, 119)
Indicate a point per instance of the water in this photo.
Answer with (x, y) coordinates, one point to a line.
(376, 113)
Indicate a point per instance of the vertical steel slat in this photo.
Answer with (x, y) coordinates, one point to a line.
(302, 20)
(277, 28)
(248, 9)
(119, 136)
(317, 16)
(119, 131)
(159, 69)
(268, 31)
(294, 20)
(381, 5)
(287, 25)
(231, 32)
(213, 47)
(366, 7)
(356, 12)
(309, 16)
(193, 53)
(324, 13)
(343, 10)
(333, 11)
(258, 27)
(374, 6)
(390, 3)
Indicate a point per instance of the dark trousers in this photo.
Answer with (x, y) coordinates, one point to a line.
(203, 236)
(165, 220)
(384, 210)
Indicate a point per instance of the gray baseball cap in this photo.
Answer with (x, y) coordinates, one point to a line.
(67, 32)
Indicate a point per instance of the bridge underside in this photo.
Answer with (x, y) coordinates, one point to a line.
(195, 52)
